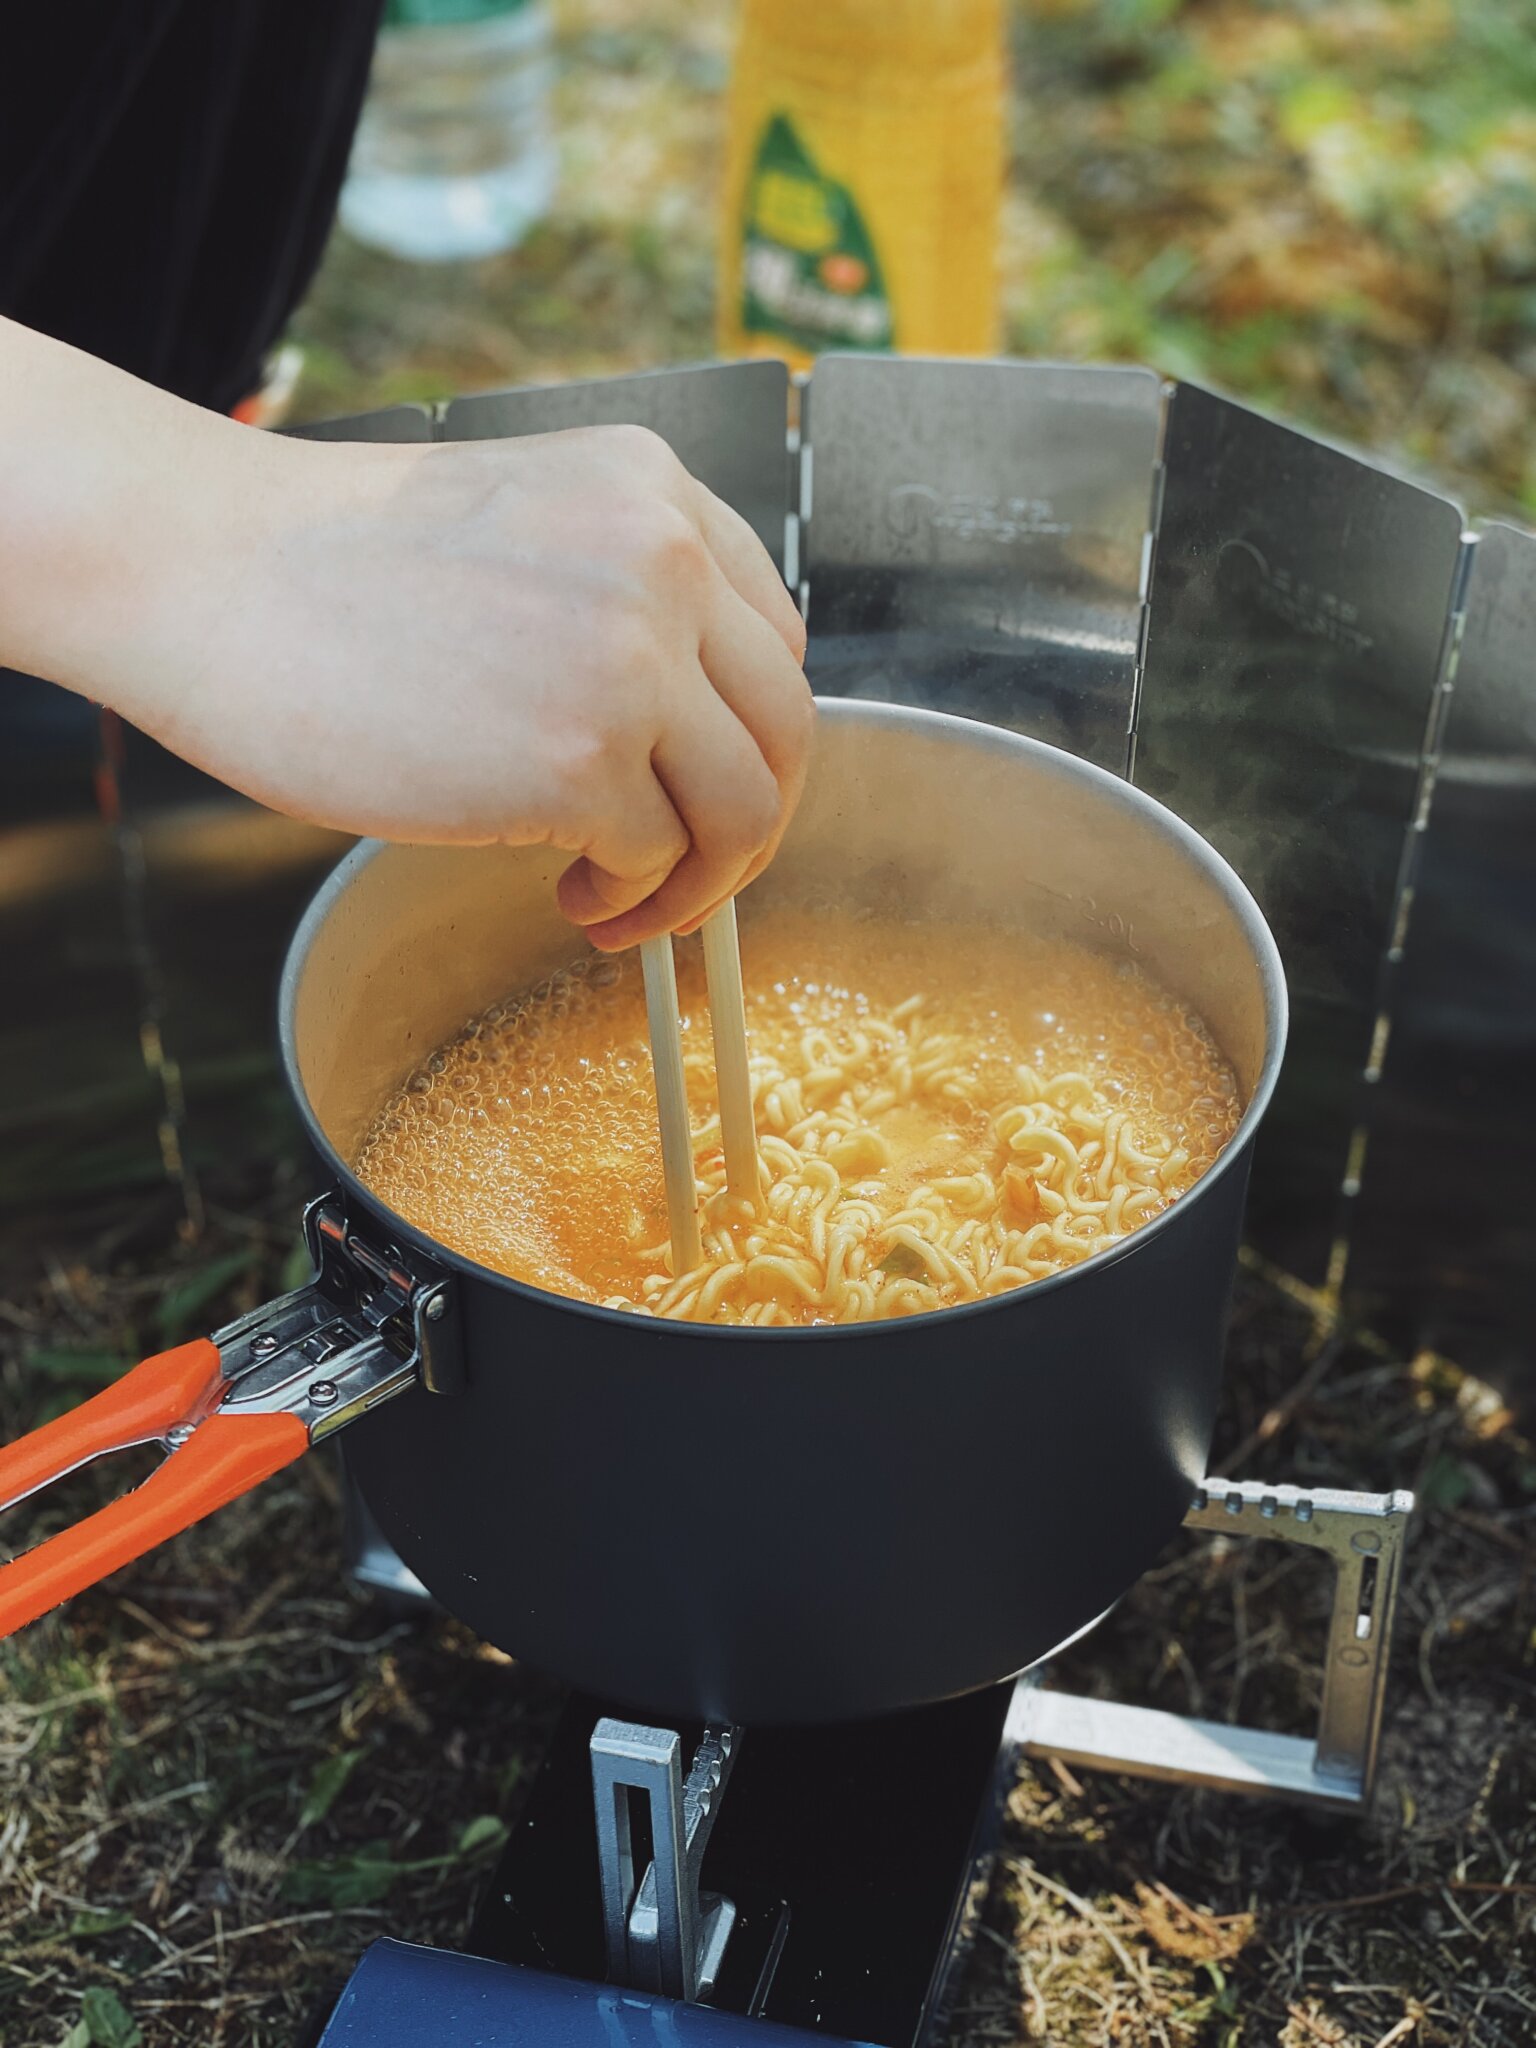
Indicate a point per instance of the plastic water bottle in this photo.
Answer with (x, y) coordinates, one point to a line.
(454, 157)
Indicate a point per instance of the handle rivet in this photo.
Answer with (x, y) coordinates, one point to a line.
(178, 1434)
(323, 1392)
(265, 1345)
(434, 1309)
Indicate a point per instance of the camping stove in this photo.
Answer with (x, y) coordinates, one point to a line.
(1325, 669)
(729, 1888)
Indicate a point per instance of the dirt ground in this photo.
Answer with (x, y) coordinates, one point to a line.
(227, 1770)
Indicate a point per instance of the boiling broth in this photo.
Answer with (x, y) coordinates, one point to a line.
(942, 1114)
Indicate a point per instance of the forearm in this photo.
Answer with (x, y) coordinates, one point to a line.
(110, 493)
(562, 639)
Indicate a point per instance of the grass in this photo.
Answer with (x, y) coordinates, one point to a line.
(226, 1770)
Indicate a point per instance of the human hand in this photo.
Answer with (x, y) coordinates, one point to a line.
(562, 640)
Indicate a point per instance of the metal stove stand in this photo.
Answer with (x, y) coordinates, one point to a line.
(844, 1865)
(1362, 1535)
(848, 1864)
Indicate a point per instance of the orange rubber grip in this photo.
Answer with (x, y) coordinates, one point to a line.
(173, 1386)
(224, 1457)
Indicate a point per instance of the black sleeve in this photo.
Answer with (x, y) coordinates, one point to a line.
(168, 174)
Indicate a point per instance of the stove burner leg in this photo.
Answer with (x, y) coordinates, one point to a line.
(1362, 1534)
(372, 1560)
(663, 1934)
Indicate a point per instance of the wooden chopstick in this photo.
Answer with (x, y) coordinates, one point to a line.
(672, 1103)
(733, 1081)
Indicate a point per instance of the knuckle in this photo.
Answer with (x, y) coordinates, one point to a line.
(581, 762)
(657, 550)
(801, 717)
(787, 728)
(748, 822)
(643, 449)
(676, 547)
(671, 846)
(570, 774)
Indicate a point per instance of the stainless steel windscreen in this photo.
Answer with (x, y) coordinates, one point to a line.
(976, 541)
(1306, 655)
(1298, 622)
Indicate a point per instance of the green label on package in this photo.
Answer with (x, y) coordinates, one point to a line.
(809, 270)
(447, 13)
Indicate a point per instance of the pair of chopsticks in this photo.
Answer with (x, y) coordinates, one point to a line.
(728, 1026)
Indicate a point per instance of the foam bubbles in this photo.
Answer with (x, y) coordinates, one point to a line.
(529, 1142)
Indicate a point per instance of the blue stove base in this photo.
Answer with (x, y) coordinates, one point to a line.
(403, 1996)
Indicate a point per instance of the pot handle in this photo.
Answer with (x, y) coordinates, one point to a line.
(216, 1457)
(236, 1407)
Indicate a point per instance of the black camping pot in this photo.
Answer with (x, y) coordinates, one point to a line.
(751, 1525)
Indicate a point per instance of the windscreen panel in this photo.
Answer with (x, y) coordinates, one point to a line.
(1296, 636)
(726, 422)
(976, 540)
(1444, 1245)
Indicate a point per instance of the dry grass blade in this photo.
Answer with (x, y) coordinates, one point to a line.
(1133, 1968)
(1180, 1929)
(1394, 2035)
(1394, 1893)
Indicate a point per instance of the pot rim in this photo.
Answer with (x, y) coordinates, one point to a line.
(983, 738)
